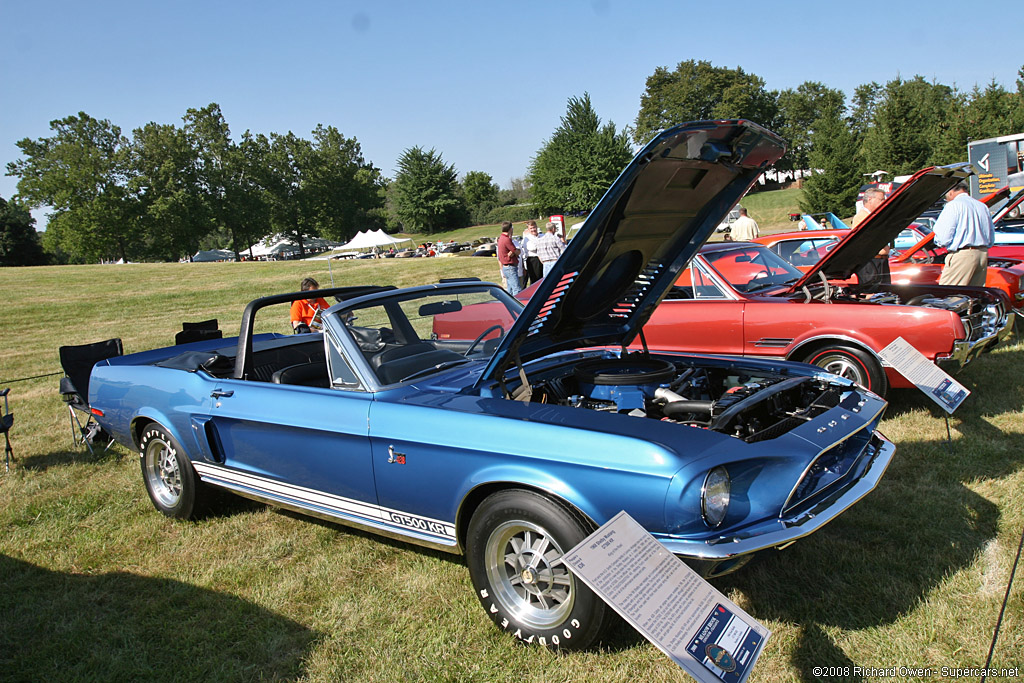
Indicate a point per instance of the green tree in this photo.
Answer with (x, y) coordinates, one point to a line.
(865, 100)
(424, 194)
(19, 242)
(291, 198)
(576, 166)
(226, 182)
(898, 140)
(480, 194)
(1018, 102)
(991, 112)
(345, 190)
(81, 173)
(171, 216)
(798, 111)
(519, 191)
(836, 181)
(698, 90)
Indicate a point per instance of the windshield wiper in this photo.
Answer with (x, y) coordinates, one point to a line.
(436, 368)
(765, 285)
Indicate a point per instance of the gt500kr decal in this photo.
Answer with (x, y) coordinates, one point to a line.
(324, 501)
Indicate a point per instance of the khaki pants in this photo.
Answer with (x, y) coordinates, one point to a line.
(965, 267)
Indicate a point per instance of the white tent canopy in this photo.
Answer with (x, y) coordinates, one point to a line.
(213, 255)
(371, 239)
(276, 245)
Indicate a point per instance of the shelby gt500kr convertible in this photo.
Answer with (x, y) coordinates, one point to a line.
(451, 416)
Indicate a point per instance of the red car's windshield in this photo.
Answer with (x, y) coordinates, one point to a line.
(752, 267)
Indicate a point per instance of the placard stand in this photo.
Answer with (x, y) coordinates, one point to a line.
(949, 435)
(700, 629)
(928, 377)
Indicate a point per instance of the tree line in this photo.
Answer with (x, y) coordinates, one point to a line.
(899, 127)
(169, 190)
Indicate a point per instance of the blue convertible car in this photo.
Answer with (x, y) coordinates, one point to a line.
(451, 416)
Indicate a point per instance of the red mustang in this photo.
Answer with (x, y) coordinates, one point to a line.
(741, 298)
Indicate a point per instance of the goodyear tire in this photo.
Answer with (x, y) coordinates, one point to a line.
(514, 548)
(171, 482)
(853, 364)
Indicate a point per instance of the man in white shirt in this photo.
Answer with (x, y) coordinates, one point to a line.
(965, 229)
(745, 228)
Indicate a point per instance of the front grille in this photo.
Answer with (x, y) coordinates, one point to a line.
(829, 470)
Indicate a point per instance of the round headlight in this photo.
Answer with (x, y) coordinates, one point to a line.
(714, 501)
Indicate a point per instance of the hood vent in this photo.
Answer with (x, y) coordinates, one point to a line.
(556, 295)
(637, 291)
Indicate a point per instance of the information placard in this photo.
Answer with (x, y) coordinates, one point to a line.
(925, 375)
(667, 602)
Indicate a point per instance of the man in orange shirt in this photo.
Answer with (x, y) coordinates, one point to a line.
(304, 311)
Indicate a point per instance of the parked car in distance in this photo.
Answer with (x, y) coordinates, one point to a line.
(726, 225)
(1009, 220)
(512, 438)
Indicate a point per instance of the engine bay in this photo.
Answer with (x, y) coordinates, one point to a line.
(980, 319)
(748, 406)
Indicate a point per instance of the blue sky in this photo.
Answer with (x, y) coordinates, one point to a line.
(483, 83)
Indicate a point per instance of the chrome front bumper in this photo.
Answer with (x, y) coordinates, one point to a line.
(778, 533)
(966, 351)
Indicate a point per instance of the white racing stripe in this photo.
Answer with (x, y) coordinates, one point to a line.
(325, 501)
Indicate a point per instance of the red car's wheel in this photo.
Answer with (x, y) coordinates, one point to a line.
(853, 364)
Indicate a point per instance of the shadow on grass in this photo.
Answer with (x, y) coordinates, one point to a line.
(879, 560)
(57, 626)
(63, 458)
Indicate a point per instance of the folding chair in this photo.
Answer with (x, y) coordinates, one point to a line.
(201, 331)
(6, 422)
(77, 362)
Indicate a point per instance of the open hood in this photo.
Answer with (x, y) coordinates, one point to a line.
(880, 228)
(1011, 204)
(653, 219)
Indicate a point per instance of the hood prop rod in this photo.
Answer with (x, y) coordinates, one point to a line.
(525, 392)
(643, 342)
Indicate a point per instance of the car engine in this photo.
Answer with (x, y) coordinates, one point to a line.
(980, 319)
(751, 407)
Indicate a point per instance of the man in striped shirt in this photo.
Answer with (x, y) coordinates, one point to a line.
(549, 248)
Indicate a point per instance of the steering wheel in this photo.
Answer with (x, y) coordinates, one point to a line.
(492, 328)
(926, 257)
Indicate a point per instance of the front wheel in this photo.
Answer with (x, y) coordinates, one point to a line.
(514, 551)
(853, 364)
(171, 482)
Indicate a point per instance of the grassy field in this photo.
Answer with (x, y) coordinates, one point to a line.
(95, 585)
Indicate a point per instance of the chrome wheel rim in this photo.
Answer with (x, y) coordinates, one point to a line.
(163, 472)
(526, 573)
(844, 367)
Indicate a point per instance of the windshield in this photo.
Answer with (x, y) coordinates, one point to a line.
(804, 251)
(752, 268)
(414, 334)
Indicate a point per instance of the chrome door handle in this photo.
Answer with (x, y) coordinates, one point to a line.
(217, 393)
